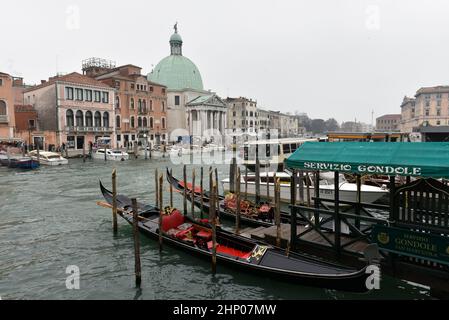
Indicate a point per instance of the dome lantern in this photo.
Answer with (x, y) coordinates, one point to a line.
(176, 42)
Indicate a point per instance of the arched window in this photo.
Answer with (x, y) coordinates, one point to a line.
(163, 106)
(79, 119)
(139, 105)
(132, 122)
(69, 118)
(97, 119)
(3, 109)
(139, 122)
(117, 122)
(106, 119)
(117, 102)
(151, 123)
(151, 105)
(163, 137)
(251, 114)
(145, 106)
(163, 123)
(132, 103)
(89, 119)
(145, 122)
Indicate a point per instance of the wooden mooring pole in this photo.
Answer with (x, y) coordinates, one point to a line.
(277, 195)
(246, 183)
(211, 186)
(114, 201)
(84, 152)
(137, 266)
(257, 181)
(214, 228)
(185, 189)
(238, 208)
(161, 210)
(268, 183)
(193, 193)
(156, 174)
(301, 187)
(202, 192)
(171, 190)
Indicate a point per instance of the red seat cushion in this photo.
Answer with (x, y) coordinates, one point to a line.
(172, 221)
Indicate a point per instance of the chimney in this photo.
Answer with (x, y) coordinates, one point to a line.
(43, 81)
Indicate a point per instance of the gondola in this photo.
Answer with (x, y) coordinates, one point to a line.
(262, 220)
(236, 251)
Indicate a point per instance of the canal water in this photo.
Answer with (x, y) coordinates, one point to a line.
(49, 220)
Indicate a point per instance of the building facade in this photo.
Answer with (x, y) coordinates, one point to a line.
(27, 125)
(7, 119)
(184, 86)
(74, 110)
(388, 122)
(429, 107)
(140, 105)
(242, 115)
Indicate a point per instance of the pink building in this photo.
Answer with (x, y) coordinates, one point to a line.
(73, 110)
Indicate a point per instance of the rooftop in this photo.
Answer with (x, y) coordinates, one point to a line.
(74, 77)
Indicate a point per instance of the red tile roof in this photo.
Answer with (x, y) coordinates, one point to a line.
(75, 78)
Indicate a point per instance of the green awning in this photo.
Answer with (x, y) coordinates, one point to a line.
(426, 159)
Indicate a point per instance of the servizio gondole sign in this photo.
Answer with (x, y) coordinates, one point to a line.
(364, 169)
(410, 243)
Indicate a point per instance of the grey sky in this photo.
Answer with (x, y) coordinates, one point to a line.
(339, 59)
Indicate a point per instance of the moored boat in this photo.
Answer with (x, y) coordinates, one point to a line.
(112, 155)
(21, 162)
(195, 237)
(48, 158)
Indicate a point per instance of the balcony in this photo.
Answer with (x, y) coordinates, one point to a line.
(89, 129)
(4, 119)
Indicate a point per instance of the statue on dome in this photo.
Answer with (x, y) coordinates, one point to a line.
(176, 27)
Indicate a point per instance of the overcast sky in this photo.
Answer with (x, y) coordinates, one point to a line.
(340, 59)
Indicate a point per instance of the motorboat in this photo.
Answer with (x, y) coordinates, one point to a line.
(111, 154)
(48, 158)
(348, 191)
(21, 162)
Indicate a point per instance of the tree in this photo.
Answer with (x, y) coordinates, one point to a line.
(318, 126)
(332, 125)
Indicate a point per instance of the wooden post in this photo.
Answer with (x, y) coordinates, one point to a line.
(337, 212)
(105, 154)
(301, 187)
(293, 211)
(309, 203)
(293, 186)
(38, 154)
(202, 192)
(161, 210)
(211, 187)
(114, 200)
(136, 151)
(359, 199)
(84, 152)
(392, 204)
(257, 181)
(237, 213)
(193, 193)
(217, 199)
(268, 183)
(185, 189)
(317, 196)
(156, 175)
(246, 183)
(214, 229)
(137, 266)
(171, 190)
(232, 174)
(278, 211)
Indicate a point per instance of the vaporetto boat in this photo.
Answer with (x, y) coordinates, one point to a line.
(348, 191)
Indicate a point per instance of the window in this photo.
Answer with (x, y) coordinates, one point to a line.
(145, 122)
(427, 96)
(427, 103)
(438, 112)
(119, 137)
(117, 102)
(145, 106)
(117, 122)
(427, 112)
(79, 94)
(139, 105)
(438, 123)
(151, 123)
(105, 97)
(163, 123)
(88, 119)
(163, 137)
(439, 103)
(132, 86)
(69, 93)
(1, 82)
(97, 119)
(97, 96)
(3, 109)
(117, 84)
(31, 123)
(151, 106)
(132, 103)
(251, 114)
(132, 123)
(79, 119)
(106, 119)
(235, 123)
(151, 89)
(286, 148)
(439, 96)
(234, 114)
(163, 106)
(163, 91)
(243, 113)
(139, 122)
(69, 118)
(88, 95)
(177, 100)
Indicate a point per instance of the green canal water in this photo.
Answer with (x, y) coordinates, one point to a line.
(49, 220)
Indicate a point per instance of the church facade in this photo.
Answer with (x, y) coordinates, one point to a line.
(191, 110)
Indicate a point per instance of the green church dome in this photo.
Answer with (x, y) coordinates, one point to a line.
(176, 71)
